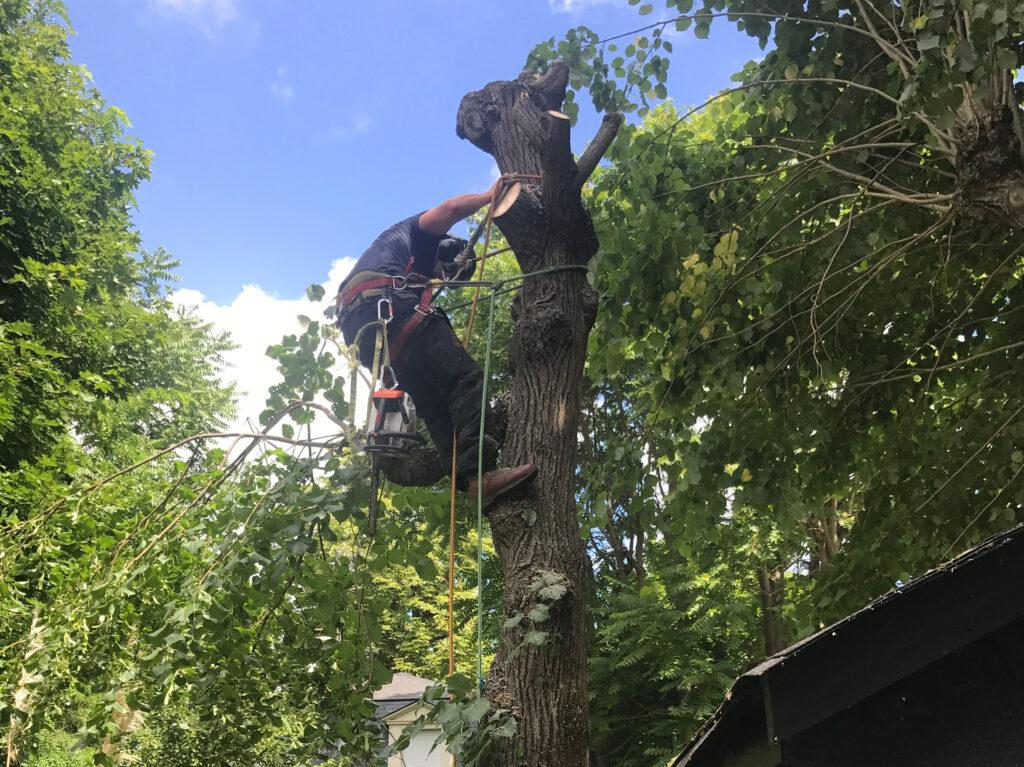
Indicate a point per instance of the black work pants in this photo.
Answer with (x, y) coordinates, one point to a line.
(444, 382)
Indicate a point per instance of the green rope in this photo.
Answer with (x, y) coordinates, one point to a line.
(500, 285)
(480, 502)
(381, 359)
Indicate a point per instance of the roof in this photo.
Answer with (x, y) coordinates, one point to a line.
(894, 636)
(403, 686)
(403, 690)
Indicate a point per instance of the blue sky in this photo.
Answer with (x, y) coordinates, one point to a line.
(287, 133)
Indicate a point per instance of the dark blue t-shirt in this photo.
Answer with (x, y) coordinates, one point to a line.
(400, 249)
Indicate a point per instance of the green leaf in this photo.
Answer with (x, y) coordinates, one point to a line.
(539, 613)
(315, 292)
(535, 638)
(460, 684)
(553, 592)
(476, 710)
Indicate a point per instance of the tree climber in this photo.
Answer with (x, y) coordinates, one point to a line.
(429, 361)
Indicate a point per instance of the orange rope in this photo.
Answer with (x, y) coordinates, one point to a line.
(483, 263)
(451, 570)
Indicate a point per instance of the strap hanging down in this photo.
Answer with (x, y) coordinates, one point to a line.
(421, 312)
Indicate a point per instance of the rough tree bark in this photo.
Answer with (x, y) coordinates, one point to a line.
(990, 167)
(536, 533)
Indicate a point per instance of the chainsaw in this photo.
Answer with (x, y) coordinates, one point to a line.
(392, 434)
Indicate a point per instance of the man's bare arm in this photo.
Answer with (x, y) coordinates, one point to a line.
(441, 218)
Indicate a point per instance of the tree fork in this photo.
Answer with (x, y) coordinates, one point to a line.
(535, 534)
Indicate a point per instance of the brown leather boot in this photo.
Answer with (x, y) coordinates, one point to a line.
(501, 481)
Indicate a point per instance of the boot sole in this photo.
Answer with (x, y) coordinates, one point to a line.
(489, 499)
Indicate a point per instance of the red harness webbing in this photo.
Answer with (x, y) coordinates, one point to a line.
(356, 290)
(421, 312)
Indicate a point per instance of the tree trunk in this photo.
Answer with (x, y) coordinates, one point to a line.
(990, 167)
(772, 589)
(536, 533)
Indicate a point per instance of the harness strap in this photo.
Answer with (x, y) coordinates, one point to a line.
(374, 284)
(377, 284)
(421, 312)
(371, 284)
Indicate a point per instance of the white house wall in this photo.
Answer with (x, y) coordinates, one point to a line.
(418, 753)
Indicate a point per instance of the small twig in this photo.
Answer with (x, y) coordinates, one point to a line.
(947, 366)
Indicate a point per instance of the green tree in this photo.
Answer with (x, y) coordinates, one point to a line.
(96, 368)
(827, 359)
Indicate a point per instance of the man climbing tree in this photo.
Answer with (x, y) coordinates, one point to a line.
(539, 674)
(390, 280)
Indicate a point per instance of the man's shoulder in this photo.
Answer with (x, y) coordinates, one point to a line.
(406, 226)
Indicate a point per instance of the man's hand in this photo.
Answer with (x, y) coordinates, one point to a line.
(462, 268)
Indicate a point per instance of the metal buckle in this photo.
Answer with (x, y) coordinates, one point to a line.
(399, 283)
(391, 310)
(425, 312)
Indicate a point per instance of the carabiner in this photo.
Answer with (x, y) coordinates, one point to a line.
(390, 311)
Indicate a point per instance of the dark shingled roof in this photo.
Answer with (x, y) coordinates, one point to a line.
(894, 636)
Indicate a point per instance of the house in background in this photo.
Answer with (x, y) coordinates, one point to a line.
(398, 704)
(929, 675)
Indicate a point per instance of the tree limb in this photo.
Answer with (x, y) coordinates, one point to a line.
(597, 147)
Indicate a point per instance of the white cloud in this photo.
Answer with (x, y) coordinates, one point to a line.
(209, 15)
(255, 319)
(575, 6)
(355, 124)
(281, 86)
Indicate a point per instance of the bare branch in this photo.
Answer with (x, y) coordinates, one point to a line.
(967, 463)
(932, 201)
(985, 508)
(737, 15)
(947, 366)
(597, 147)
(901, 58)
(257, 437)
